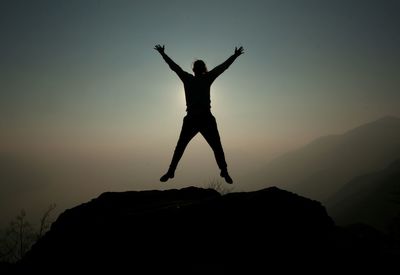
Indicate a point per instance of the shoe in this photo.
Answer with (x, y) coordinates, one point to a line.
(226, 176)
(167, 176)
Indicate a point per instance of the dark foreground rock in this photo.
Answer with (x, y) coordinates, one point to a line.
(198, 231)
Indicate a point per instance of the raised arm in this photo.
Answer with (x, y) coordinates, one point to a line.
(175, 67)
(221, 68)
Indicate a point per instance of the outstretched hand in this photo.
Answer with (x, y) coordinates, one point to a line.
(159, 48)
(239, 51)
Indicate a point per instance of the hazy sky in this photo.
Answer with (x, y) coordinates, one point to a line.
(80, 82)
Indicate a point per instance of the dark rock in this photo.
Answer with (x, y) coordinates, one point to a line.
(191, 231)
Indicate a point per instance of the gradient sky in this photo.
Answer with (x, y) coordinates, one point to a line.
(81, 83)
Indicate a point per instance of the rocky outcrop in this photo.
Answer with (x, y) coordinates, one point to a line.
(192, 231)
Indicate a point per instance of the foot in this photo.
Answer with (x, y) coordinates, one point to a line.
(167, 176)
(226, 176)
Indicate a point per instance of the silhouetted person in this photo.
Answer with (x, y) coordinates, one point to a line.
(198, 103)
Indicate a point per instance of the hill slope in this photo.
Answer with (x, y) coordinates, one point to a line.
(372, 199)
(321, 168)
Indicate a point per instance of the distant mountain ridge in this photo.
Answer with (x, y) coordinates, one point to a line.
(321, 168)
(373, 199)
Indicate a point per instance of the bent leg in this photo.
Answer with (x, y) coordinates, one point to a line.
(189, 130)
(209, 131)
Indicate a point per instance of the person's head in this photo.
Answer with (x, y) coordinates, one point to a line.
(199, 67)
